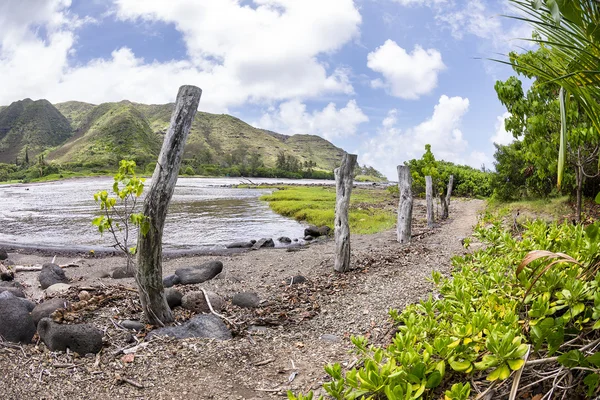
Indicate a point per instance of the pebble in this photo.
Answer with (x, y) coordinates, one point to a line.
(134, 325)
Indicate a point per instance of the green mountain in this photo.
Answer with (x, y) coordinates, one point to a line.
(29, 127)
(99, 135)
(106, 134)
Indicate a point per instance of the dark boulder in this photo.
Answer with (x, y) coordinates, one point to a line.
(46, 308)
(240, 245)
(285, 239)
(317, 231)
(201, 326)
(3, 254)
(195, 301)
(122, 273)
(17, 292)
(133, 325)
(13, 283)
(171, 280)
(264, 242)
(246, 300)
(80, 338)
(200, 273)
(297, 279)
(29, 305)
(51, 274)
(173, 297)
(16, 324)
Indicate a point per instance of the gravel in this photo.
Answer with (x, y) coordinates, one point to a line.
(291, 336)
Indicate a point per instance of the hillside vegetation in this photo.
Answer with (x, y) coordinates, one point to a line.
(81, 137)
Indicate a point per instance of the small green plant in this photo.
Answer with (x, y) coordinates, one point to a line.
(118, 214)
(459, 391)
(308, 396)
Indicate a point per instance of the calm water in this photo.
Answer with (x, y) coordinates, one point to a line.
(201, 215)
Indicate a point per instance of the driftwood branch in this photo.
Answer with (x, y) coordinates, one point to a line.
(38, 267)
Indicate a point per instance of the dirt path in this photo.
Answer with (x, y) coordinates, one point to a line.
(260, 362)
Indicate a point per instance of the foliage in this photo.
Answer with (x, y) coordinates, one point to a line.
(488, 316)
(468, 181)
(118, 213)
(532, 166)
(316, 206)
(367, 173)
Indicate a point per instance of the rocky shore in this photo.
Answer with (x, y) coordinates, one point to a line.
(278, 315)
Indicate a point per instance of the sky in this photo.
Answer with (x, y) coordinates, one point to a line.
(378, 78)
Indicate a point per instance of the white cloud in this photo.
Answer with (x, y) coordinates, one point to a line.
(501, 136)
(291, 117)
(420, 2)
(477, 19)
(393, 145)
(238, 52)
(406, 75)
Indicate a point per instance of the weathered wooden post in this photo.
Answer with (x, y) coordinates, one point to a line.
(445, 200)
(429, 198)
(149, 247)
(344, 179)
(405, 204)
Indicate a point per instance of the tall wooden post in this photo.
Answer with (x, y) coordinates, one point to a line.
(405, 204)
(149, 247)
(445, 200)
(344, 179)
(429, 198)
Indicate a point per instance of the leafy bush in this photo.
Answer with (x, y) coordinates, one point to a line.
(489, 316)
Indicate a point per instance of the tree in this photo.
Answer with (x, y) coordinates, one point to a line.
(537, 117)
(568, 29)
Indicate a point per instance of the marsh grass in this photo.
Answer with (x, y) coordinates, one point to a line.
(370, 209)
(547, 209)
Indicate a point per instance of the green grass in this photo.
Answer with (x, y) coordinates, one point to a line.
(369, 210)
(547, 209)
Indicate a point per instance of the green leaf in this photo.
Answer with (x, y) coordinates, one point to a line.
(594, 359)
(515, 364)
(433, 380)
(501, 373)
(591, 381)
(573, 358)
(597, 198)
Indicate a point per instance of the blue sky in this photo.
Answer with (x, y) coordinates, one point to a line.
(380, 78)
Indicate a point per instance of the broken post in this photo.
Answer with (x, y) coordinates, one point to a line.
(344, 179)
(429, 198)
(405, 204)
(445, 200)
(149, 247)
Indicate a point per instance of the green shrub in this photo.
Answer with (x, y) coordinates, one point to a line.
(488, 317)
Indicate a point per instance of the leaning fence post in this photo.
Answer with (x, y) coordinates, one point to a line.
(149, 247)
(405, 204)
(344, 179)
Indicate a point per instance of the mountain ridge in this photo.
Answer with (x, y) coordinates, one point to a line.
(91, 135)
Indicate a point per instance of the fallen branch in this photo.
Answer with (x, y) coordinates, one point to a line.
(264, 362)
(131, 382)
(37, 267)
(213, 311)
